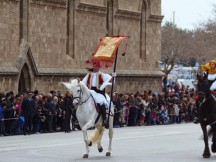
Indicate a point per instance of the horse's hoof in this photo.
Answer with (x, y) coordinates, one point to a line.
(100, 149)
(213, 148)
(90, 143)
(85, 156)
(206, 155)
(108, 154)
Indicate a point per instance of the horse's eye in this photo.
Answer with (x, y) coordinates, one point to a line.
(78, 90)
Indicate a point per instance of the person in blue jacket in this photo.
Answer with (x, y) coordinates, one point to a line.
(2, 124)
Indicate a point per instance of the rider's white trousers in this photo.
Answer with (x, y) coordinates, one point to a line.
(212, 77)
(213, 86)
(100, 99)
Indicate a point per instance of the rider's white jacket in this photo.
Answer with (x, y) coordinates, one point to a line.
(99, 80)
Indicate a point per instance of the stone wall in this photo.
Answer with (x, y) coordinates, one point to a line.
(7, 83)
(47, 33)
(133, 84)
(9, 32)
(44, 42)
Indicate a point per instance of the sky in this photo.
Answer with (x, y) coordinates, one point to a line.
(187, 14)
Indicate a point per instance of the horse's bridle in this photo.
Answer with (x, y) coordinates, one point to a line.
(80, 102)
(204, 99)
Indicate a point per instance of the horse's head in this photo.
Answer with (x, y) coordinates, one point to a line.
(76, 90)
(203, 86)
(75, 87)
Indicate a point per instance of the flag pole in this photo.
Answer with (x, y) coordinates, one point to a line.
(113, 79)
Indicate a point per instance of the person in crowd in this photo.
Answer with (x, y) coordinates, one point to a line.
(154, 116)
(2, 124)
(50, 106)
(54, 103)
(118, 106)
(126, 109)
(164, 117)
(36, 118)
(18, 115)
(67, 111)
(74, 118)
(28, 111)
(59, 111)
(43, 112)
(134, 109)
(9, 113)
(176, 113)
(18, 105)
(148, 111)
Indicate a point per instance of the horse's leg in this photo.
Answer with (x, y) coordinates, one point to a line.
(87, 142)
(108, 153)
(100, 148)
(206, 153)
(213, 147)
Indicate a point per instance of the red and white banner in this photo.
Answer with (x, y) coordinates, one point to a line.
(106, 50)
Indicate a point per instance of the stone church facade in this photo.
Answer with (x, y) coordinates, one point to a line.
(45, 42)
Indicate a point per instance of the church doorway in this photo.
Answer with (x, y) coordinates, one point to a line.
(24, 80)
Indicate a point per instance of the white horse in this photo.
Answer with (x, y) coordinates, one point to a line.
(87, 116)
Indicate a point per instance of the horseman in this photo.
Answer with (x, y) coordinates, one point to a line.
(210, 68)
(97, 81)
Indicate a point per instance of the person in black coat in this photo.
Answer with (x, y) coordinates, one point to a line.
(9, 113)
(51, 110)
(67, 111)
(28, 110)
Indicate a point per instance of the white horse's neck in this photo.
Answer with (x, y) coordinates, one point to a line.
(86, 111)
(85, 89)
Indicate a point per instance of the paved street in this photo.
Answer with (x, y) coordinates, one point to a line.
(168, 143)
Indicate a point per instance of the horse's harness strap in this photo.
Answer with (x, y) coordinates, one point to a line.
(214, 97)
(85, 100)
(98, 117)
(205, 99)
(213, 123)
(81, 93)
(201, 92)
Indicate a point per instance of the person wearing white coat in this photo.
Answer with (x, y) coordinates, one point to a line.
(97, 81)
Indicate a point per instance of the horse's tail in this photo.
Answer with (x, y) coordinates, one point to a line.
(97, 133)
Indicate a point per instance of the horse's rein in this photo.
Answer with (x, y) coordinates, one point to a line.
(205, 99)
(81, 93)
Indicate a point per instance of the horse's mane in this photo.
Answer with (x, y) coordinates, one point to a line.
(204, 83)
(78, 81)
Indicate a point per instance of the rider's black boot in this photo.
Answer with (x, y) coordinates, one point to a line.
(104, 118)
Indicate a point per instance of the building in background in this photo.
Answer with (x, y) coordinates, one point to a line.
(44, 42)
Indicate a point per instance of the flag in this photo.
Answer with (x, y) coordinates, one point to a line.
(106, 50)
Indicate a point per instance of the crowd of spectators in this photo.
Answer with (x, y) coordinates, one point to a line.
(173, 105)
(34, 112)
